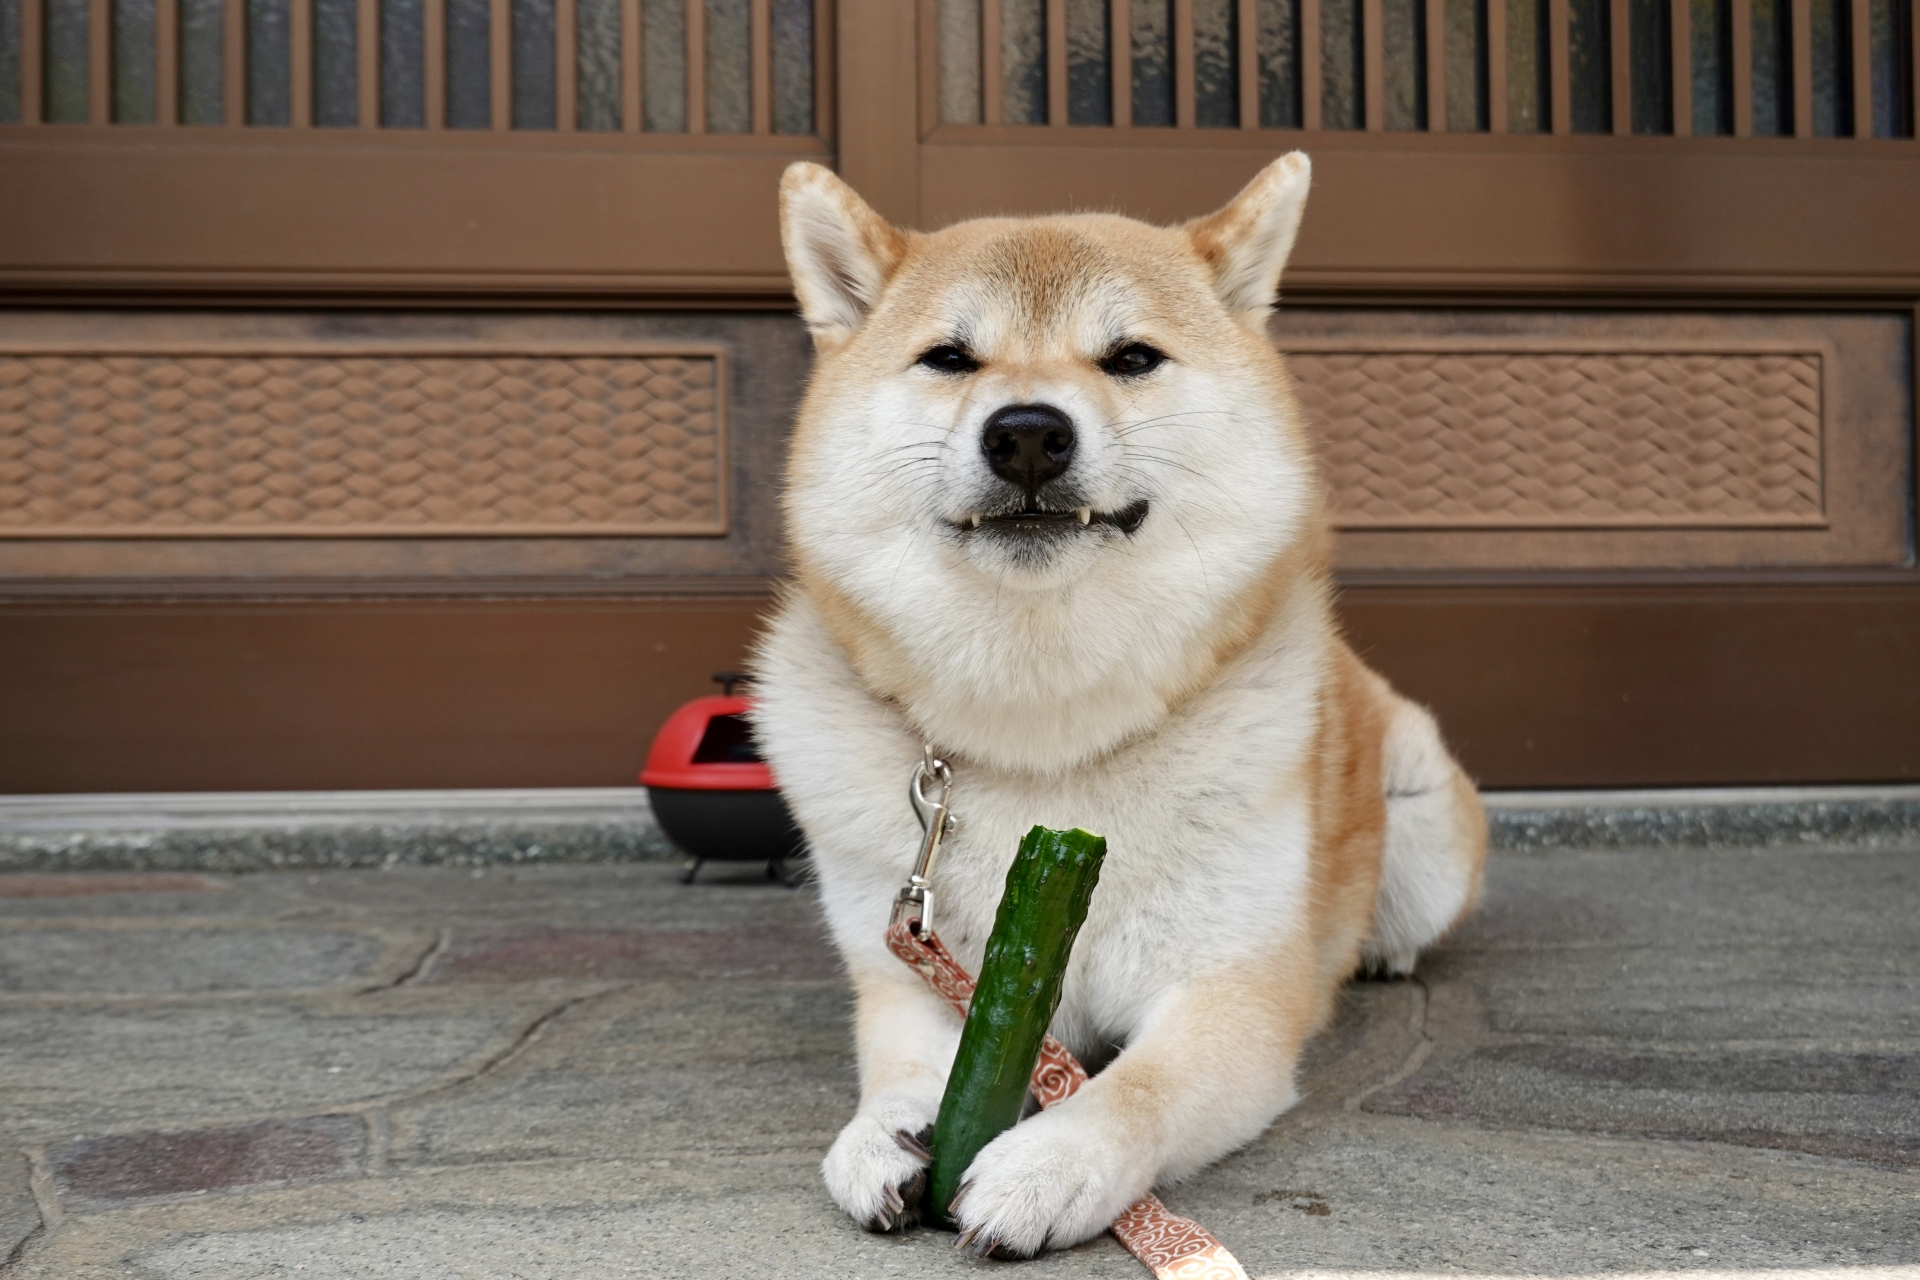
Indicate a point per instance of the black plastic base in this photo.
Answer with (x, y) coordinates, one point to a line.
(729, 826)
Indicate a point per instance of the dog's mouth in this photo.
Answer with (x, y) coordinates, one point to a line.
(1034, 520)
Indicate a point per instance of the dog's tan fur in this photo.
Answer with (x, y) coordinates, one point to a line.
(1277, 815)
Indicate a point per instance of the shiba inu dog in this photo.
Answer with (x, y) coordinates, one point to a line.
(1052, 510)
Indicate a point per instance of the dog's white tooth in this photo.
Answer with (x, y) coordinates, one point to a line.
(975, 518)
(1086, 515)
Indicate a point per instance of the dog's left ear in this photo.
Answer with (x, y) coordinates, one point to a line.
(1247, 242)
(839, 251)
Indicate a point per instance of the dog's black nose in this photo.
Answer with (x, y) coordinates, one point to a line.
(1028, 444)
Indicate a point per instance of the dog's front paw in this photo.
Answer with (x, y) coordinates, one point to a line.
(1048, 1183)
(877, 1168)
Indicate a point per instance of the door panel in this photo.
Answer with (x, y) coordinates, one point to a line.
(374, 451)
(1562, 440)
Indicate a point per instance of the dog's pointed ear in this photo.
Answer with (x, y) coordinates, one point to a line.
(1247, 242)
(839, 251)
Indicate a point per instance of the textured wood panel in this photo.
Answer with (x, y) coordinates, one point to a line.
(1575, 439)
(1541, 439)
(389, 443)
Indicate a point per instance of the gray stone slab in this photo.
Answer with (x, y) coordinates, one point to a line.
(667, 1239)
(1400, 1197)
(1580, 897)
(19, 1215)
(795, 951)
(175, 961)
(1406, 1196)
(74, 1072)
(1788, 991)
(242, 897)
(1763, 998)
(76, 884)
(1852, 1106)
(635, 896)
(738, 1067)
(135, 1166)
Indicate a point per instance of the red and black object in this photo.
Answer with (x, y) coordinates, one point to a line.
(712, 793)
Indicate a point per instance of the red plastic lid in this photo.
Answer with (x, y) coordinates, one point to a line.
(677, 758)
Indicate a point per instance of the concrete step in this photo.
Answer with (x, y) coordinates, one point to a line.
(261, 831)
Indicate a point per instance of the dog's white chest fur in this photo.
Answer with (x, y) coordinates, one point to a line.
(1207, 846)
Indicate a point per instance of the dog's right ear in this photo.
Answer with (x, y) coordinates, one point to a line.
(839, 251)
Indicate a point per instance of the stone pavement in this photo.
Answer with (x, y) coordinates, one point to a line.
(1631, 1062)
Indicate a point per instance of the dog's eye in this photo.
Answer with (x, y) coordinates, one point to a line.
(947, 358)
(1133, 360)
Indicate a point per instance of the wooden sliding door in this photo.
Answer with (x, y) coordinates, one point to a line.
(392, 392)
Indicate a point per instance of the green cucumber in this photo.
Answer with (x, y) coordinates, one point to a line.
(1048, 888)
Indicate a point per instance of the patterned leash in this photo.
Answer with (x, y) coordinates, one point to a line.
(1170, 1246)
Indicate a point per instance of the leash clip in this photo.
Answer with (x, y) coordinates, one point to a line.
(914, 906)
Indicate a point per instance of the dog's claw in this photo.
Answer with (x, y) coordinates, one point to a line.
(899, 1205)
(914, 1144)
(990, 1247)
(953, 1205)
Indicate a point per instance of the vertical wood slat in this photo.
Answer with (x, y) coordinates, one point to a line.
(1680, 23)
(166, 59)
(823, 68)
(1620, 67)
(366, 49)
(1913, 99)
(632, 113)
(1802, 11)
(1373, 64)
(1247, 24)
(300, 62)
(993, 94)
(875, 59)
(1436, 21)
(1120, 32)
(99, 61)
(1862, 33)
(500, 64)
(929, 75)
(1559, 67)
(1184, 66)
(566, 65)
(696, 66)
(1741, 43)
(1497, 91)
(760, 43)
(1057, 63)
(1312, 91)
(233, 62)
(433, 15)
(33, 105)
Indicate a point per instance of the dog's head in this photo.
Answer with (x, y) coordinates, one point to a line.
(1049, 471)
